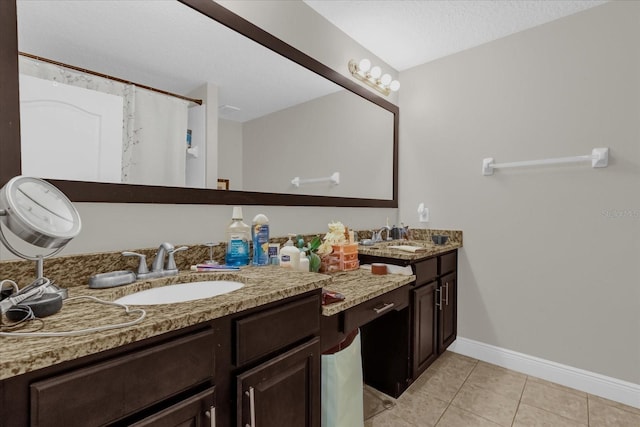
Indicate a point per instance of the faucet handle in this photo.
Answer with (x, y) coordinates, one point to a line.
(142, 267)
(171, 262)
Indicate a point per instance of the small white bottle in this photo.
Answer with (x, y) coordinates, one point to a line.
(303, 264)
(290, 255)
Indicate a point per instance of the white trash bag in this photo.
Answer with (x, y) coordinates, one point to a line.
(342, 400)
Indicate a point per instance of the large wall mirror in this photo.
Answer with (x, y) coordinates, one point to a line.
(252, 113)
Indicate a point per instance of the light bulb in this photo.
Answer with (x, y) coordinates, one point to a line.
(376, 72)
(394, 86)
(385, 79)
(364, 65)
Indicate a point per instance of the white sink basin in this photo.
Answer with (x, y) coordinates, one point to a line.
(180, 293)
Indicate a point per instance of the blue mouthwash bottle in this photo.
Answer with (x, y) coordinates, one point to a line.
(260, 239)
(238, 235)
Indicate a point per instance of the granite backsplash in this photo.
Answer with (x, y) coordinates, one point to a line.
(74, 270)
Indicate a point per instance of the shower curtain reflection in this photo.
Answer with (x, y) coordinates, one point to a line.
(158, 151)
(154, 128)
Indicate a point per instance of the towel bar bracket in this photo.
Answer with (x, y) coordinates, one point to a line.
(333, 179)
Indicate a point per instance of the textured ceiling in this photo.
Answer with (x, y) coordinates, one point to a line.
(406, 33)
(170, 46)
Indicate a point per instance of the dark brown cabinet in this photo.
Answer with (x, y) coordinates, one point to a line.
(195, 411)
(166, 380)
(384, 327)
(270, 364)
(434, 307)
(282, 391)
(447, 311)
(384, 330)
(195, 377)
(425, 338)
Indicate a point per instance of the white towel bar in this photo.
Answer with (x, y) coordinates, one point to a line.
(334, 179)
(599, 158)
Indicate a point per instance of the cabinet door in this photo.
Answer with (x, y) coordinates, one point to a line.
(284, 391)
(194, 411)
(425, 349)
(448, 313)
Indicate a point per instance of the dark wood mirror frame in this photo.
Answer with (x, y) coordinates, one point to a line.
(81, 191)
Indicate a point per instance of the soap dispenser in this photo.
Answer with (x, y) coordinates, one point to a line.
(290, 255)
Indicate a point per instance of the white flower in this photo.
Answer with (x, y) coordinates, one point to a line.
(336, 227)
(324, 249)
(335, 236)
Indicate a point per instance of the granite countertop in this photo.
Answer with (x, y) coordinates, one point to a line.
(426, 249)
(359, 286)
(263, 285)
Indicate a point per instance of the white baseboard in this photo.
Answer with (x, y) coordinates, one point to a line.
(579, 379)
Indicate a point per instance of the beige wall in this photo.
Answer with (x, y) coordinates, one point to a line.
(293, 142)
(230, 152)
(550, 265)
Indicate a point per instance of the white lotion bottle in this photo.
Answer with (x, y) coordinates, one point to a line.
(303, 264)
(290, 255)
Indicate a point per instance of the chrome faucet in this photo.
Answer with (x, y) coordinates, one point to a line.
(158, 268)
(158, 262)
(376, 236)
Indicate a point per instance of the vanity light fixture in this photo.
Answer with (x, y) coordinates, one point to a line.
(373, 77)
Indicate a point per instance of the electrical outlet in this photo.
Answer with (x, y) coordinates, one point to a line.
(423, 213)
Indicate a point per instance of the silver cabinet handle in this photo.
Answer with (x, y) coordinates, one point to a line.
(252, 407)
(211, 414)
(383, 307)
(439, 298)
(446, 289)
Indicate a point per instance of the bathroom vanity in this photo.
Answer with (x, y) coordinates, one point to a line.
(432, 308)
(405, 330)
(249, 357)
(257, 362)
(251, 354)
(236, 356)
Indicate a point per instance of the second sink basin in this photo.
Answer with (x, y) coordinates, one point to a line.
(180, 292)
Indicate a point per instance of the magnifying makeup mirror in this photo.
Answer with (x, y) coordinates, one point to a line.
(41, 215)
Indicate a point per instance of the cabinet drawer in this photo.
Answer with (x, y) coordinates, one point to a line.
(448, 262)
(426, 270)
(107, 391)
(375, 307)
(269, 330)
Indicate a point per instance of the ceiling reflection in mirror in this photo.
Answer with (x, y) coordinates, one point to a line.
(264, 120)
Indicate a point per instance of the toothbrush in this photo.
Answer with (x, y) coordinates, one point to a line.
(209, 267)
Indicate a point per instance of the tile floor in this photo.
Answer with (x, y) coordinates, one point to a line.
(458, 391)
